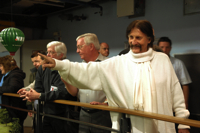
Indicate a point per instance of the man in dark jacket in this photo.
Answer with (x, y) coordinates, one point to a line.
(37, 61)
(49, 87)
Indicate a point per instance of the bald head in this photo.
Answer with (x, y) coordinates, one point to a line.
(104, 49)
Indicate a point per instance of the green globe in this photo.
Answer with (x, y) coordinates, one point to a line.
(12, 39)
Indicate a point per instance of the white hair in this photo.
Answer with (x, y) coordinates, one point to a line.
(60, 47)
(90, 38)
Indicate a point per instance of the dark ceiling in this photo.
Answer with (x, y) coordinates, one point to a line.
(34, 13)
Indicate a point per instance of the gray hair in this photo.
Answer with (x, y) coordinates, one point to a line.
(90, 38)
(60, 47)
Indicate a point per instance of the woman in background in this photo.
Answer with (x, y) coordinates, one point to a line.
(11, 80)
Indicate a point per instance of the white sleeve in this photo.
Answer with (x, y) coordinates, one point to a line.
(179, 104)
(32, 85)
(80, 75)
(183, 74)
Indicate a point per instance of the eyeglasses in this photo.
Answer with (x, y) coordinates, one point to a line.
(50, 52)
(80, 46)
(105, 48)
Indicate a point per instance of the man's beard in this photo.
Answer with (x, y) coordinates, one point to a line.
(135, 46)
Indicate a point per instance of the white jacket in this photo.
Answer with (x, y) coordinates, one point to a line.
(115, 77)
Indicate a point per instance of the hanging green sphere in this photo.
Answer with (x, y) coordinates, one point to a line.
(12, 39)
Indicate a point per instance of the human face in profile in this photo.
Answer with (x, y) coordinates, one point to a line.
(36, 61)
(51, 52)
(2, 69)
(138, 41)
(82, 49)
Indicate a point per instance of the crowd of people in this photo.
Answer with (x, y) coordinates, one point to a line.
(142, 77)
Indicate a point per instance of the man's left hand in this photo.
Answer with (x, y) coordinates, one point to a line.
(183, 131)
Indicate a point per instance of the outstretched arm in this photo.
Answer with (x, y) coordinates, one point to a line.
(80, 75)
(71, 89)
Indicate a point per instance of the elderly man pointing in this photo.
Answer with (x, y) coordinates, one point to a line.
(142, 79)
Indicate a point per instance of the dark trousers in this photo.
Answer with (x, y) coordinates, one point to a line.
(34, 123)
(100, 118)
(22, 126)
(53, 125)
(72, 127)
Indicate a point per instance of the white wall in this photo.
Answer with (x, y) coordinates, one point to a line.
(166, 17)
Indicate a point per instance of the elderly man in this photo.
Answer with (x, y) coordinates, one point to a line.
(49, 87)
(87, 48)
(104, 49)
(142, 80)
(181, 72)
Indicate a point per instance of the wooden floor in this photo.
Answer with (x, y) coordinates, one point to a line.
(28, 130)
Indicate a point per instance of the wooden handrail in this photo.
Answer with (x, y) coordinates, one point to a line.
(193, 123)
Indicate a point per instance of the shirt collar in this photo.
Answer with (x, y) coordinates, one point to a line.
(99, 58)
(4, 75)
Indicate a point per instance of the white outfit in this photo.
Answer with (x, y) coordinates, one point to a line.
(32, 85)
(181, 71)
(116, 76)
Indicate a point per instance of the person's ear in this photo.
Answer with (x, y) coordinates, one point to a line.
(92, 46)
(149, 40)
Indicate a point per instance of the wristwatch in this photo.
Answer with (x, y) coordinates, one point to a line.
(40, 96)
(106, 101)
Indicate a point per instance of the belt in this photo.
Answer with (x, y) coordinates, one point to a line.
(91, 110)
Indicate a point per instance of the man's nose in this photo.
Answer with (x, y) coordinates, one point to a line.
(133, 41)
(77, 50)
(164, 49)
(48, 54)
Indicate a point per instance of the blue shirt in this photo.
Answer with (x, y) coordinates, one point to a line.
(1, 83)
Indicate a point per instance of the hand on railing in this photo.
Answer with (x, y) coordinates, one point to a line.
(98, 103)
(183, 131)
(30, 114)
(31, 95)
(22, 91)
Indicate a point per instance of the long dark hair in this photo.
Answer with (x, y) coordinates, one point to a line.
(8, 63)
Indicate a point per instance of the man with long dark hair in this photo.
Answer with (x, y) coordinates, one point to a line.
(142, 79)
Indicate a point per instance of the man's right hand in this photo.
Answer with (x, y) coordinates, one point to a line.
(98, 103)
(48, 61)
